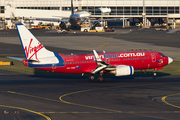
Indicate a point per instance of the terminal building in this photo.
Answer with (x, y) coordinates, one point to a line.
(155, 11)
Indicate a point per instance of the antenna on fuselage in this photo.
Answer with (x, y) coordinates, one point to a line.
(72, 9)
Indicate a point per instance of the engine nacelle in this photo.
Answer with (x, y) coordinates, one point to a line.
(123, 70)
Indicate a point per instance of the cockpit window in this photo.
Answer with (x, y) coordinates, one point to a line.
(162, 55)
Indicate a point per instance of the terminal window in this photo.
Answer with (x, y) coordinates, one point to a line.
(1, 9)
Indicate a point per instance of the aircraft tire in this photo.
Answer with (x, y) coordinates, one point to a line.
(91, 77)
(100, 78)
(154, 74)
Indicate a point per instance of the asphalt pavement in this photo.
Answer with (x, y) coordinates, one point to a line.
(69, 97)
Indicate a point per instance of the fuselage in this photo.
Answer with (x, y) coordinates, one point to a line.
(75, 19)
(85, 63)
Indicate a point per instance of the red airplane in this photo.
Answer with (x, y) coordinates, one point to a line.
(117, 63)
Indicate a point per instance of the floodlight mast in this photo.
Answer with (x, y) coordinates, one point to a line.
(144, 14)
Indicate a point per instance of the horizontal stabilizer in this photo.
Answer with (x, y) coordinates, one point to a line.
(16, 58)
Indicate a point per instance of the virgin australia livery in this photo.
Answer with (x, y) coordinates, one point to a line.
(118, 63)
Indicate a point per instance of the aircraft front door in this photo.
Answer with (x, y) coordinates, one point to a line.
(153, 57)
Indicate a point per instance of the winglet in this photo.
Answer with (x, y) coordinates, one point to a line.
(96, 56)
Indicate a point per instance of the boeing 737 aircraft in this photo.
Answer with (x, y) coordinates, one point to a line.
(76, 18)
(117, 63)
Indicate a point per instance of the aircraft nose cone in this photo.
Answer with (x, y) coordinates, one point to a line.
(170, 60)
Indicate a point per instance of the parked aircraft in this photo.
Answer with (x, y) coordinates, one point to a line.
(76, 17)
(79, 16)
(117, 63)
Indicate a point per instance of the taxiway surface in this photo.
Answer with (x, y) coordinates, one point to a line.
(74, 97)
(32, 97)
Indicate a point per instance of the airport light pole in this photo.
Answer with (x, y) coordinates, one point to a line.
(144, 14)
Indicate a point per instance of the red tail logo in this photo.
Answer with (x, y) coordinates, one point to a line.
(32, 50)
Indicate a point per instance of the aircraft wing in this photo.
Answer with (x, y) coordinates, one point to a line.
(108, 19)
(51, 19)
(101, 64)
(61, 17)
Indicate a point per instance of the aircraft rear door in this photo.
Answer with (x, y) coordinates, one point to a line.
(53, 65)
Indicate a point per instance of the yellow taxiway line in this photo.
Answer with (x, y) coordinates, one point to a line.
(164, 100)
(27, 111)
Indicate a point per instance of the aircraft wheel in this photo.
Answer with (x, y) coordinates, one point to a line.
(154, 74)
(100, 78)
(91, 77)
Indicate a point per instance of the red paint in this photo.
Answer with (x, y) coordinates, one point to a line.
(138, 59)
(32, 50)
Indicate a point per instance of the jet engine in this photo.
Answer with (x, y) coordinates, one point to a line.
(123, 70)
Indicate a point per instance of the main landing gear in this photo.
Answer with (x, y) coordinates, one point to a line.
(92, 78)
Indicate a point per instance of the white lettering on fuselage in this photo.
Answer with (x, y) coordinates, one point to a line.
(117, 55)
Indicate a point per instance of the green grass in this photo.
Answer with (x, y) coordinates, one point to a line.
(171, 69)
